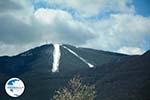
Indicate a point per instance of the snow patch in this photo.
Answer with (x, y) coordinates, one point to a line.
(90, 65)
(56, 57)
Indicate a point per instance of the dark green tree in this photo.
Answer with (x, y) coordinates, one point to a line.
(76, 90)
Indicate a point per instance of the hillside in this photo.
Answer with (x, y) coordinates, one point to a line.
(117, 76)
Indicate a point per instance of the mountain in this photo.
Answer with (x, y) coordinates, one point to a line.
(47, 68)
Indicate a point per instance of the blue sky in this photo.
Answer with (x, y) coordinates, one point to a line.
(117, 25)
(142, 7)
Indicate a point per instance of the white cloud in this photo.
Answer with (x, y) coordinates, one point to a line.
(45, 25)
(29, 29)
(121, 30)
(131, 50)
(92, 7)
(49, 16)
(61, 27)
(10, 49)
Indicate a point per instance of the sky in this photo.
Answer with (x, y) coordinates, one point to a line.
(121, 26)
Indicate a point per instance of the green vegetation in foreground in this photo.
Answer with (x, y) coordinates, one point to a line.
(76, 90)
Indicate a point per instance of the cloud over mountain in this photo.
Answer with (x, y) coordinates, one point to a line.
(98, 24)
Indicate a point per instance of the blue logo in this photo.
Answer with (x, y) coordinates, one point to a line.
(14, 87)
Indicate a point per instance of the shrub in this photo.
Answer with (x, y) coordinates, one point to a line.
(76, 90)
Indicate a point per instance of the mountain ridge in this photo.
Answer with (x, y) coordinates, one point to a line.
(116, 76)
(45, 45)
(47, 50)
